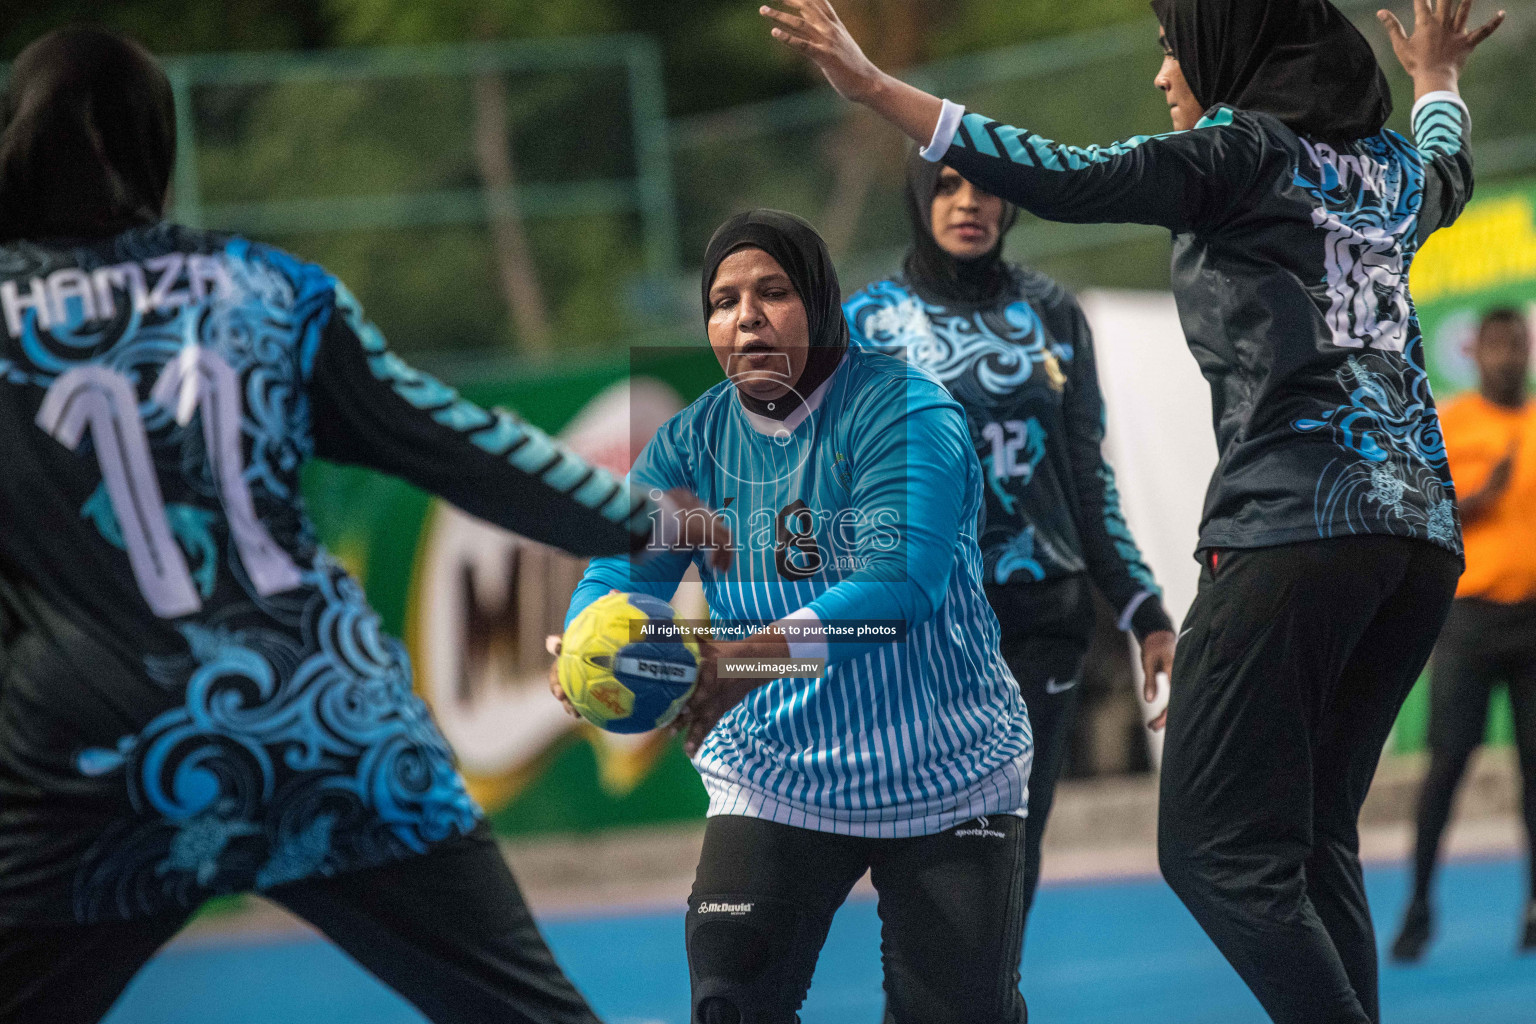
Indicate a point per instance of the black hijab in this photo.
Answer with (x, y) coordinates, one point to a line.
(797, 248)
(89, 137)
(936, 276)
(1299, 60)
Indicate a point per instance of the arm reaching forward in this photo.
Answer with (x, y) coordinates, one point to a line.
(813, 28)
(369, 408)
(1179, 180)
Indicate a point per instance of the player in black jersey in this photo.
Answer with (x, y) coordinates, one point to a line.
(195, 699)
(1015, 350)
(1330, 546)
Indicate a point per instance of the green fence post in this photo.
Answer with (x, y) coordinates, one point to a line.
(189, 200)
(653, 157)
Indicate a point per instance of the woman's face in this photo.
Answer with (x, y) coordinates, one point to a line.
(965, 219)
(757, 325)
(1183, 108)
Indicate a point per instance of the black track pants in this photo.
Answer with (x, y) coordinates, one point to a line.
(448, 930)
(1483, 644)
(1046, 629)
(764, 898)
(1292, 667)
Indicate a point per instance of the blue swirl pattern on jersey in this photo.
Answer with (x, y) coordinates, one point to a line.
(320, 748)
(1328, 234)
(288, 743)
(994, 362)
(1392, 475)
(1023, 372)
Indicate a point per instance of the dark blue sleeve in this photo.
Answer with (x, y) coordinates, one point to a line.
(369, 408)
(657, 468)
(1114, 561)
(1181, 180)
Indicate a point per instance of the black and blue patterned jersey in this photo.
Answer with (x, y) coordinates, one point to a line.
(1290, 268)
(194, 697)
(1023, 370)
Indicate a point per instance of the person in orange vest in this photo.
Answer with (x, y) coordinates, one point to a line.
(1490, 635)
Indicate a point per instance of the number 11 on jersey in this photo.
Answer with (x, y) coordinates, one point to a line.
(103, 401)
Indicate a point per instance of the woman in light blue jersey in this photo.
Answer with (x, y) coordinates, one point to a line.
(854, 493)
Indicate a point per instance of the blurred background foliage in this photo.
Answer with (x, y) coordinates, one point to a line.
(560, 265)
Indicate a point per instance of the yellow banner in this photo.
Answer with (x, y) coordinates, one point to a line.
(1493, 245)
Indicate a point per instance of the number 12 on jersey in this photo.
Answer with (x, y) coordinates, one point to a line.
(1010, 439)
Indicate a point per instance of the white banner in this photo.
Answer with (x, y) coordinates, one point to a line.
(1159, 436)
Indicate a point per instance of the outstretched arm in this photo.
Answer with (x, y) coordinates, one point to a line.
(368, 408)
(1178, 181)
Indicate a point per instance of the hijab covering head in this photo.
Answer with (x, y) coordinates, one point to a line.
(1300, 60)
(797, 248)
(89, 137)
(937, 276)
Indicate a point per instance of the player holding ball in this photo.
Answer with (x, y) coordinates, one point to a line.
(853, 490)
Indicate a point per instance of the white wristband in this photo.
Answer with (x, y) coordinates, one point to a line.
(943, 132)
(812, 635)
(1440, 96)
(1124, 623)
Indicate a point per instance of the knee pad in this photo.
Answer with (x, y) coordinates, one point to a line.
(742, 957)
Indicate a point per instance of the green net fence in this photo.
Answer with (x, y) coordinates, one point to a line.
(814, 155)
(533, 199)
(477, 198)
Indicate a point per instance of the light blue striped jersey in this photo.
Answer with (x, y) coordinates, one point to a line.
(861, 507)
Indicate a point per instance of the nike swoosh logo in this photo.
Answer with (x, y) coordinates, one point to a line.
(1052, 686)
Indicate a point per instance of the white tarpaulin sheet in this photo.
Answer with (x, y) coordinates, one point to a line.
(1159, 437)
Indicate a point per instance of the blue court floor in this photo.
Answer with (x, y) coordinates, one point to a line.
(1106, 952)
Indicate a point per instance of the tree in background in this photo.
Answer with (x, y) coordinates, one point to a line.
(897, 34)
(511, 282)
(409, 21)
(977, 25)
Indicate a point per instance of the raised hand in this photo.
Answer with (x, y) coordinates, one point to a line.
(816, 31)
(1436, 52)
(813, 28)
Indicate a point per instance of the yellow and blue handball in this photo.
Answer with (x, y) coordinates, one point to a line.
(622, 676)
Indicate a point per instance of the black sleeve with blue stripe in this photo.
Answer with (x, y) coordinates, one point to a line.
(1114, 561)
(369, 408)
(1442, 133)
(1180, 180)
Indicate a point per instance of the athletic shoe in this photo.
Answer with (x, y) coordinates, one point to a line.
(1414, 936)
